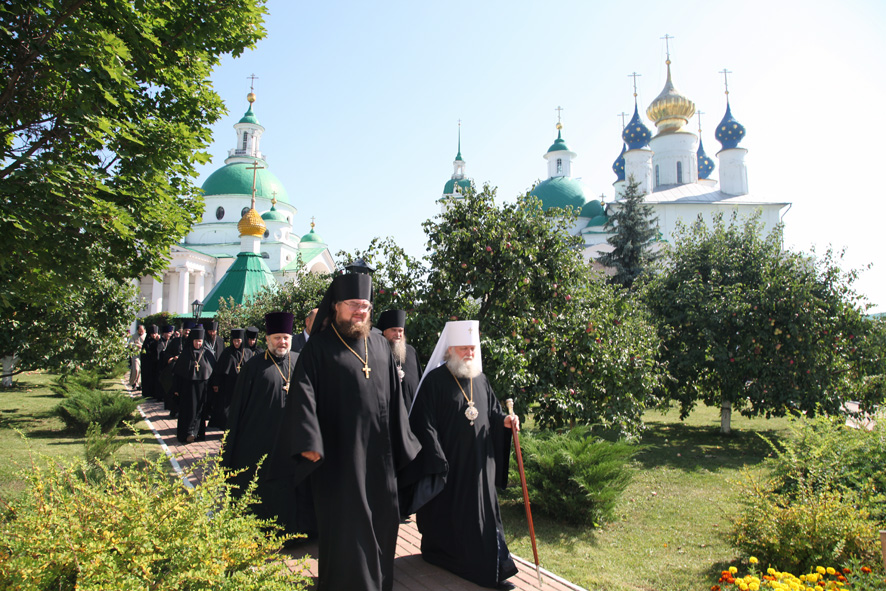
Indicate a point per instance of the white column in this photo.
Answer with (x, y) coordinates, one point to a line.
(199, 285)
(156, 296)
(183, 292)
(172, 293)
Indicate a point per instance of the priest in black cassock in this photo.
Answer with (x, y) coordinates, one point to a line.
(254, 419)
(165, 367)
(392, 324)
(465, 438)
(346, 424)
(191, 374)
(213, 341)
(224, 378)
(149, 362)
(252, 340)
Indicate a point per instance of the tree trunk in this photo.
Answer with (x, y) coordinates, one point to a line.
(725, 417)
(8, 368)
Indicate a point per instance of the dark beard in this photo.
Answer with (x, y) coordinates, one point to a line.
(353, 331)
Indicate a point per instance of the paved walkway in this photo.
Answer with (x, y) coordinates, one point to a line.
(410, 571)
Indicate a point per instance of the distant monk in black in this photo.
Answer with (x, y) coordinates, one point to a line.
(254, 419)
(190, 386)
(213, 341)
(149, 362)
(465, 438)
(346, 414)
(252, 340)
(224, 377)
(165, 379)
(392, 324)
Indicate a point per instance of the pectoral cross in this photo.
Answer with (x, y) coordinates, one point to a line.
(197, 366)
(366, 370)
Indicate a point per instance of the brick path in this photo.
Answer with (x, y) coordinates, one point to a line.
(410, 571)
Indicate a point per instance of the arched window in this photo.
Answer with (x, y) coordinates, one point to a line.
(219, 213)
(245, 137)
(243, 211)
(680, 172)
(559, 166)
(657, 180)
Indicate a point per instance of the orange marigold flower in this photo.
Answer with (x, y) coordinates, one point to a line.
(847, 571)
(865, 569)
(715, 588)
(841, 578)
(725, 573)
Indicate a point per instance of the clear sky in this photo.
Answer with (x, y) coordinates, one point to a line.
(361, 103)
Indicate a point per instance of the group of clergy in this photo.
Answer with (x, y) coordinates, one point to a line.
(347, 436)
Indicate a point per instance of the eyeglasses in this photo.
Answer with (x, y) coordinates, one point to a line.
(355, 305)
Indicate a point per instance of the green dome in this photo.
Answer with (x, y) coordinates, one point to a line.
(249, 117)
(559, 191)
(449, 187)
(599, 220)
(273, 215)
(236, 179)
(312, 237)
(592, 209)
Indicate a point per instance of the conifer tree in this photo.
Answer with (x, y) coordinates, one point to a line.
(635, 230)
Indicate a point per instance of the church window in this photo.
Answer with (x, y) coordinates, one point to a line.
(219, 213)
(245, 136)
(657, 179)
(243, 211)
(265, 255)
(267, 233)
(559, 166)
(680, 172)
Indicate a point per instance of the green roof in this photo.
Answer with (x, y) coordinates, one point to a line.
(244, 279)
(560, 191)
(236, 179)
(272, 215)
(449, 187)
(249, 117)
(559, 145)
(599, 220)
(312, 237)
(592, 209)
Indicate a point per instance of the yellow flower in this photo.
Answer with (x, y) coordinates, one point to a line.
(754, 586)
(733, 569)
(831, 570)
(820, 570)
(753, 560)
(743, 586)
(770, 571)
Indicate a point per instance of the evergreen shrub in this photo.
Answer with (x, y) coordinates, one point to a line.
(84, 407)
(574, 476)
(135, 528)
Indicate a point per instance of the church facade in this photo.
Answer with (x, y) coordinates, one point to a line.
(213, 246)
(678, 179)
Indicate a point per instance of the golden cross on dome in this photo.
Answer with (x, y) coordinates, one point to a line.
(726, 73)
(634, 76)
(312, 222)
(667, 38)
(699, 113)
(273, 198)
(559, 110)
(254, 168)
(252, 78)
(622, 115)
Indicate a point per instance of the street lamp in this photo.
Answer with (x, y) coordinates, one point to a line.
(196, 308)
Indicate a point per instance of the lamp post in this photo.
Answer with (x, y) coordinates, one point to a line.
(196, 308)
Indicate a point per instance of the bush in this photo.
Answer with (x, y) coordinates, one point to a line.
(805, 528)
(84, 407)
(67, 383)
(134, 528)
(575, 477)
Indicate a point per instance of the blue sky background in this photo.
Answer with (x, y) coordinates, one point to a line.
(361, 102)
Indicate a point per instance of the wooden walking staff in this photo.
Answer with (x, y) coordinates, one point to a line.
(510, 403)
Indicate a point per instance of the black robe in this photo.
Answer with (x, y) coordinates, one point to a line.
(360, 428)
(165, 378)
(190, 385)
(149, 367)
(461, 524)
(412, 375)
(217, 346)
(254, 419)
(224, 377)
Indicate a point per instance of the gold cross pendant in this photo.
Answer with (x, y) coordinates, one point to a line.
(197, 366)
(366, 370)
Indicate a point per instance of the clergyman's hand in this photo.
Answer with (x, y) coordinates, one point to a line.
(512, 420)
(311, 455)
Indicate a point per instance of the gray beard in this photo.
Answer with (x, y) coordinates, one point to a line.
(281, 352)
(354, 331)
(461, 368)
(399, 351)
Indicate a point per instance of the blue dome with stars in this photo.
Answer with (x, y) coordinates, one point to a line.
(729, 131)
(618, 167)
(705, 164)
(636, 135)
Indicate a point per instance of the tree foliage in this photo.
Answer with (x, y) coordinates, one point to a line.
(105, 109)
(747, 325)
(634, 232)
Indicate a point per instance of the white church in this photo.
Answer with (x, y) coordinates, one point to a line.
(232, 226)
(679, 180)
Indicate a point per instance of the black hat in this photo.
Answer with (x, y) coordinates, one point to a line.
(238, 333)
(251, 332)
(188, 324)
(392, 319)
(278, 322)
(196, 333)
(209, 324)
(153, 329)
(355, 286)
(167, 328)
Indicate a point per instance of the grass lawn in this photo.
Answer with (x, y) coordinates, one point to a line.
(26, 409)
(668, 535)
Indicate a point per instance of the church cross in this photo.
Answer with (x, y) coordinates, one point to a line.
(726, 73)
(252, 78)
(312, 221)
(622, 115)
(559, 110)
(254, 168)
(366, 369)
(667, 38)
(699, 113)
(634, 76)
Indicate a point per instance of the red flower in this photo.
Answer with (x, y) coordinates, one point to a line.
(865, 569)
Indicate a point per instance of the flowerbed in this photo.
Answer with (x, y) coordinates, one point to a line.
(856, 578)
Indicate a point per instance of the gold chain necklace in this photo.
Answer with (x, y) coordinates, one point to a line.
(197, 362)
(288, 369)
(471, 412)
(366, 369)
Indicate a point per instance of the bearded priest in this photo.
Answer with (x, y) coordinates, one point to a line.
(392, 324)
(465, 438)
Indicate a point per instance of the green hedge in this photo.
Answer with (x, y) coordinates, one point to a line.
(84, 407)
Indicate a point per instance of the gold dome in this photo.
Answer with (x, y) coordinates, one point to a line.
(670, 110)
(251, 224)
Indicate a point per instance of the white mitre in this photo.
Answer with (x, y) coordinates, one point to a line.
(456, 333)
